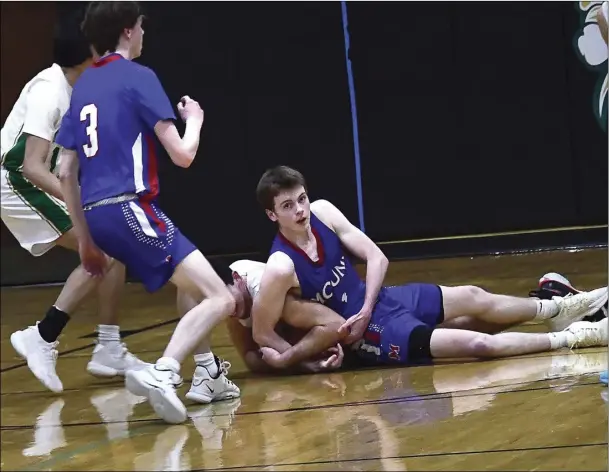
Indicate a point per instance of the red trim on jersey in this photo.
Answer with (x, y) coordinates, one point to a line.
(107, 59)
(153, 176)
(153, 183)
(145, 204)
(373, 337)
(321, 253)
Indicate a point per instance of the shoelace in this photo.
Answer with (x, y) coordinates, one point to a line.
(49, 352)
(224, 366)
(581, 334)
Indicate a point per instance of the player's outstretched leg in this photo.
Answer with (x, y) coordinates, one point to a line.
(209, 381)
(449, 343)
(194, 275)
(557, 313)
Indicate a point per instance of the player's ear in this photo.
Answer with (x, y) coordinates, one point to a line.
(271, 214)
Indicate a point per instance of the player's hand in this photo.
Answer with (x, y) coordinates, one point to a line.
(190, 109)
(335, 359)
(272, 357)
(92, 258)
(355, 327)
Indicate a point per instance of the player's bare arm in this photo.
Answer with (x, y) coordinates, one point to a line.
(182, 150)
(250, 351)
(39, 126)
(92, 258)
(35, 168)
(278, 278)
(363, 247)
(322, 328)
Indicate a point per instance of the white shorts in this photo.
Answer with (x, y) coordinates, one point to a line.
(35, 218)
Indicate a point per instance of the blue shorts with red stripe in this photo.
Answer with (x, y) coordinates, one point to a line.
(401, 325)
(139, 234)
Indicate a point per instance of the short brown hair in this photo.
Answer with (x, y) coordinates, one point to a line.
(105, 22)
(276, 180)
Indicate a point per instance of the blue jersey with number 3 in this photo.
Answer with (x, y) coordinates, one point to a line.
(110, 123)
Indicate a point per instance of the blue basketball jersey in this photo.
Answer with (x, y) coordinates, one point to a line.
(332, 279)
(110, 123)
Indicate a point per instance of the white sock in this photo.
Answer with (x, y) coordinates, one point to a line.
(546, 309)
(208, 361)
(108, 334)
(560, 339)
(170, 363)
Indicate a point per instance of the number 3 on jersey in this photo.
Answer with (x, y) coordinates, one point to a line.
(89, 113)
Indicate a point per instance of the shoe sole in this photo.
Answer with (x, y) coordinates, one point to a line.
(163, 407)
(166, 409)
(133, 385)
(100, 370)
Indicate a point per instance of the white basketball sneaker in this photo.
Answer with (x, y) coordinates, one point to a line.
(206, 389)
(588, 334)
(158, 383)
(112, 359)
(40, 355)
(574, 307)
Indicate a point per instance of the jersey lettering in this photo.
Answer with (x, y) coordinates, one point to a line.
(89, 113)
(326, 292)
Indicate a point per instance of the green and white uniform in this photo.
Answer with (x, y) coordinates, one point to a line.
(35, 218)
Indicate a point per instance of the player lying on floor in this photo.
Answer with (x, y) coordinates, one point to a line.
(388, 325)
(299, 316)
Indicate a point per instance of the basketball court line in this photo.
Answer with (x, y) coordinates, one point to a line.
(408, 398)
(361, 369)
(412, 456)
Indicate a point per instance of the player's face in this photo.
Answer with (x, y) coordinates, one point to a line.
(136, 39)
(292, 209)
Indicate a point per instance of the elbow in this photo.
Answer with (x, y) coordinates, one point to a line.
(65, 174)
(183, 158)
(382, 259)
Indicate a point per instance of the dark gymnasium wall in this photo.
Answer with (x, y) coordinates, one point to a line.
(471, 119)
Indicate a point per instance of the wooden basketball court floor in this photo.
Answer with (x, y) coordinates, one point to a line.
(537, 412)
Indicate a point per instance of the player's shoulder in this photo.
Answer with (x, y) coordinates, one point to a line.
(141, 72)
(50, 77)
(325, 211)
(322, 206)
(280, 264)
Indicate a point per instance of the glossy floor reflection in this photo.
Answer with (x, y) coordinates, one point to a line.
(535, 412)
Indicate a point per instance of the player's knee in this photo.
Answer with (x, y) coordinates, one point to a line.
(480, 300)
(226, 301)
(483, 345)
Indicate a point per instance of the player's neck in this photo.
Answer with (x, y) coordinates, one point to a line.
(71, 74)
(299, 238)
(122, 51)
